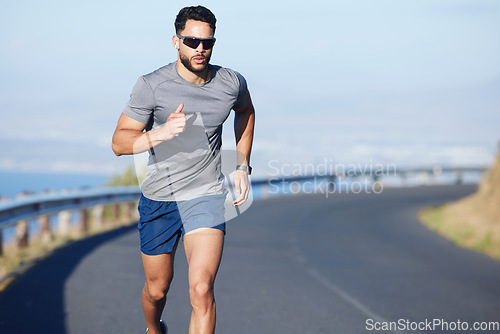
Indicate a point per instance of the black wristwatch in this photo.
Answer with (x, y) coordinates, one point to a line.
(247, 169)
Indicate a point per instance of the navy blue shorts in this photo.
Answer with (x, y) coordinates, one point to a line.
(161, 224)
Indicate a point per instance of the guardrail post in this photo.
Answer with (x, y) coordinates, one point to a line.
(98, 213)
(2, 199)
(127, 210)
(64, 219)
(22, 234)
(1, 242)
(84, 221)
(45, 231)
(115, 211)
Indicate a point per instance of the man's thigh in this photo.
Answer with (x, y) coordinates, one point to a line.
(203, 249)
(159, 269)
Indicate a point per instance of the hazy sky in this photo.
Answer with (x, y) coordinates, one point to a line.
(413, 83)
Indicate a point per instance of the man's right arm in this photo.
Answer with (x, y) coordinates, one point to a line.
(129, 137)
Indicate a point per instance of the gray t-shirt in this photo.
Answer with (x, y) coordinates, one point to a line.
(188, 165)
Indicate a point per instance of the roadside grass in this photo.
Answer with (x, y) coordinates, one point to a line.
(474, 221)
(464, 230)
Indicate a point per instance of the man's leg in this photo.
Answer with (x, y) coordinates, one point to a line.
(203, 248)
(159, 271)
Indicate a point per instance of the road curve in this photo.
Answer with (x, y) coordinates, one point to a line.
(298, 264)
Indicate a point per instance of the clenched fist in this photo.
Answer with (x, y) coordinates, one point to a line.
(175, 124)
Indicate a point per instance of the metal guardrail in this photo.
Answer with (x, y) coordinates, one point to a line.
(19, 211)
(32, 206)
(11, 211)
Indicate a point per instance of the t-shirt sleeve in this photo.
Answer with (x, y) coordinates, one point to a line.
(242, 91)
(142, 103)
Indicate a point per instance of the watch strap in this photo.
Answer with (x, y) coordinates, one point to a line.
(244, 168)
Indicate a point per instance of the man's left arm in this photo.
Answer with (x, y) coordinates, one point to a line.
(244, 121)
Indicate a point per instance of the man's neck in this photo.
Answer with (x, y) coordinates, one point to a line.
(192, 77)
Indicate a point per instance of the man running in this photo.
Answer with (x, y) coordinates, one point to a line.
(176, 113)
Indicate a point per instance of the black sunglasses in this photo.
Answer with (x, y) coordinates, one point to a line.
(193, 42)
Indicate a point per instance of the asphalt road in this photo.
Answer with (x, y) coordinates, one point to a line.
(298, 264)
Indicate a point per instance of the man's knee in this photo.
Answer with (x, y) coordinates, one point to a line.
(156, 291)
(201, 292)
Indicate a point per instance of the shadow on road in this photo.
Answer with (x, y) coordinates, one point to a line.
(34, 303)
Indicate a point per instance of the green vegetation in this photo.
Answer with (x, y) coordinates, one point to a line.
(128, 178)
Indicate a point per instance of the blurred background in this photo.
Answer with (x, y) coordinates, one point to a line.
(415, 84)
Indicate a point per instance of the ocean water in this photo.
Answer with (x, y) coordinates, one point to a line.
(12, 183)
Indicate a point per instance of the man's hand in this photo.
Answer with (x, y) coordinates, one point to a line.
(241, 187)
(175, 124)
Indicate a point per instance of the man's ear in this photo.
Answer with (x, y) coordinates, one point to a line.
(175, 41)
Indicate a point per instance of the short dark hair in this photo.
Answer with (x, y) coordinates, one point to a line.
(198, 13)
